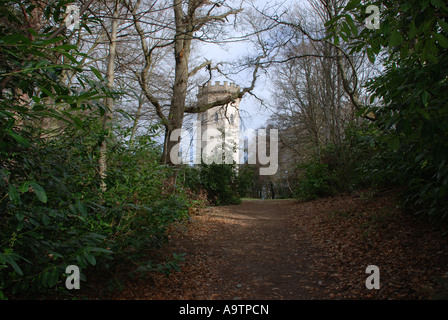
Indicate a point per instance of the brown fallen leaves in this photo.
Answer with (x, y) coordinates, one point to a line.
(199, 278)
(333, 241)
(352, 232)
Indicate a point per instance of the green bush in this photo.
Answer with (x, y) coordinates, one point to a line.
(143, 202)
(53, 211)
(245, 179)
(314, 181)
(48, 217)
(220, 181)
(57, 215)
(408, 98)
(364, 158)
(190, 177)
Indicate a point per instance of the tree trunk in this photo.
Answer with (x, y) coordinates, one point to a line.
(136, 119)
(107, 117)
(182, 48)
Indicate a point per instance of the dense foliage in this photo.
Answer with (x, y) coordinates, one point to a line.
(412, 113)
(315, 181)
(406, 144)
(223, 184)
(58, 216)
(53, 211)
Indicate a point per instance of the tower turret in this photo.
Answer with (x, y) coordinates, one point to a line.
(225, 118)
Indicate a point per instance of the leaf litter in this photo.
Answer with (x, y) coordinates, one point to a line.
(285, 250)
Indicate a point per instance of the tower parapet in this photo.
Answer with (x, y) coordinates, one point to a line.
(209, 93)
(218, 88)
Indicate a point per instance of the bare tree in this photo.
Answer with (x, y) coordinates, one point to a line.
(107, 117)
(316, 83)
(176, 26)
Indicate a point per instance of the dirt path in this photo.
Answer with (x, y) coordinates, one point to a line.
(282, 250)
(259, 251)
(249, 251)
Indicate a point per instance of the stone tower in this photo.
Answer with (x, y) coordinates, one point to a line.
(225, 118)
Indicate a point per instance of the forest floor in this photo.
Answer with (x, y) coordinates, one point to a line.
(285, 250)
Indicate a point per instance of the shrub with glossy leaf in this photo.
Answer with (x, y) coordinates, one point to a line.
(53, 212)
(77, 223)
(412, 115)
(50, 222)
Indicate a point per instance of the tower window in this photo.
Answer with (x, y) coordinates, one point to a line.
(216, 117)
(231, 119)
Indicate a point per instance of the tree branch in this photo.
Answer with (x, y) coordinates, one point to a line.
(230, 98)
(200, 22)
(206, 63)
(351, 91)
(143, 77)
